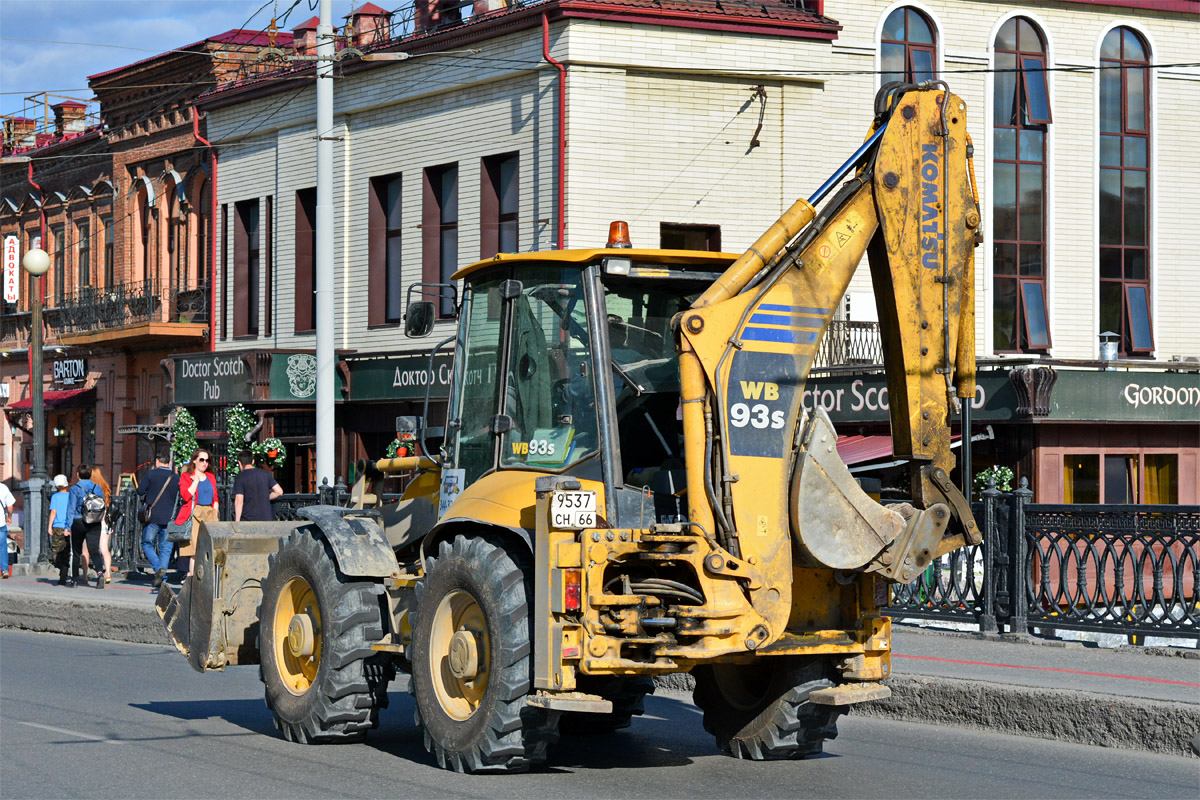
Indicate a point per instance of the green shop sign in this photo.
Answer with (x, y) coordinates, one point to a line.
(211, 379)
(400, 377)
(1126, 396)
(294, 378)
(865, 398)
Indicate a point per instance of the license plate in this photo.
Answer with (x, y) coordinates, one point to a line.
(572, 511)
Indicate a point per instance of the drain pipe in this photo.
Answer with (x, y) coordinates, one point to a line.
(561, 188)
(212, 232)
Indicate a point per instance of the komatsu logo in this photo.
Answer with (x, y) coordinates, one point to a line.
(931, 207)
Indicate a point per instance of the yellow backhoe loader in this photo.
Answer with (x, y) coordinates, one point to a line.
(628, 486)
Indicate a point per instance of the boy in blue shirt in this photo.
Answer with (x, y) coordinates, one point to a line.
(60, 528)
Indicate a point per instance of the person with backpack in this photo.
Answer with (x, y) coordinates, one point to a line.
(159, 491)
(86, 515)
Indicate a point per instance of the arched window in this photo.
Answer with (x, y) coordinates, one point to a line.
(1125, 191)
(907, 47)
(1021, 104)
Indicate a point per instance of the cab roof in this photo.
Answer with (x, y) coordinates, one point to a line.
(693, 259)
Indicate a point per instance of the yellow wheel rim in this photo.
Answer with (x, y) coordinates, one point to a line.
(297, 629)
(458, 654)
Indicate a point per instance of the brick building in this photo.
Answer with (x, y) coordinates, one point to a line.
(127, 206)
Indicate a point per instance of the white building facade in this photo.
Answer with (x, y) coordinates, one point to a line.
(698, 124)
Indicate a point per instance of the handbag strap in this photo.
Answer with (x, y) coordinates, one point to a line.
(158, 496)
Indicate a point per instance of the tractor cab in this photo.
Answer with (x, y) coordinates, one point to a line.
(565, 363)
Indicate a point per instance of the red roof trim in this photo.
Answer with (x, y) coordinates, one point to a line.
(369, 10)
(798, 24)
(308, 24)
(1183, 6)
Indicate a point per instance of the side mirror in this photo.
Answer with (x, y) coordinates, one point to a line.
(418, 319)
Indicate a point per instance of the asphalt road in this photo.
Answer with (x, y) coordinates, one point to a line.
(90, 718)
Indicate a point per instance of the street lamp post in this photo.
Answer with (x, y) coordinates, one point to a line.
(36, 262)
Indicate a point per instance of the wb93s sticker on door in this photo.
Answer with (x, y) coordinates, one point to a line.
(760, 395)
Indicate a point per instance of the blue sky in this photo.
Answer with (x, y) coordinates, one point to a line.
(137, 28)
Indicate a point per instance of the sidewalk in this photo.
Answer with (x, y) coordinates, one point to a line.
(1128, 698)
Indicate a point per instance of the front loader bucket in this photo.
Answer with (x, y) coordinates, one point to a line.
(214, 618)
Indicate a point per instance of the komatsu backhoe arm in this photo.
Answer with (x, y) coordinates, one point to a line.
(748, 343)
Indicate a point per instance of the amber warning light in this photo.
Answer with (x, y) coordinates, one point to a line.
(618, 234)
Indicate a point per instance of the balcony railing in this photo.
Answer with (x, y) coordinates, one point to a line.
(849, 343)
(94, 308)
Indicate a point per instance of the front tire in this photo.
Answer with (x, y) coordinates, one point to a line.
(323, 681)
(472, 661)
(761, 711)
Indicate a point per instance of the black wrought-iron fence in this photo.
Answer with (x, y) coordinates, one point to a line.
(1118, 569)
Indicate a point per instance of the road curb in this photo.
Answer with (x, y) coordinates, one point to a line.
(1081, 717)
(77, 616)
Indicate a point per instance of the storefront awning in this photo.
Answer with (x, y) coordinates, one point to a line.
(58, 398)
(860, 449)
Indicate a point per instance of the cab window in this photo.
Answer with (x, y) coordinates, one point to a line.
(549, 394)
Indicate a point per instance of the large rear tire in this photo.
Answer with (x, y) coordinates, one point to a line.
(762, 711)
(323, 681)
(472, 661)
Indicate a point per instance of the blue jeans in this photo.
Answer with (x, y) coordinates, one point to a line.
(3, 548)
(152, 536)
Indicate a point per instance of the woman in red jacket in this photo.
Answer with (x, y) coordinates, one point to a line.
(198, 492)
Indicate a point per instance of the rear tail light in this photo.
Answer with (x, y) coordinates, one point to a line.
(572, 594)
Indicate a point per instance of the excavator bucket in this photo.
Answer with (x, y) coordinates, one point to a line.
(213, 620)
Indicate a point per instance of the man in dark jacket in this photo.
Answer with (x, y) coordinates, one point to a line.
(159, 490)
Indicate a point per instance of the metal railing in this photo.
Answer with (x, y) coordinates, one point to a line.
(93, 308)
(850, 343)
(1131, 570)
(1123, 569)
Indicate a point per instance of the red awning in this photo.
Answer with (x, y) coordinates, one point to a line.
(859, 449)
(57, 398)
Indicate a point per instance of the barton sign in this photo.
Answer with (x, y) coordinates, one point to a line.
(12, 269)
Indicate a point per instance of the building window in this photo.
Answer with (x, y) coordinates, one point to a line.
(268, 228)
(499, 202)
(1021, 106)
(109, 266)
(439, 228)
(306, 260)
(224, 270)
(83, 253)
(246, 265)
(58, 238)
(1121, 478)
(1124, 191)
(678, 236)
(385, 257)
(908, 47)
(203, 215)
(176, 256)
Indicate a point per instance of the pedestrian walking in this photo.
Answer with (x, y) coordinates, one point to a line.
(60, 529)
(198, 490)
(88, 505)
(7, 503)
(253, 491)
(105, 555)
(159, 490)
